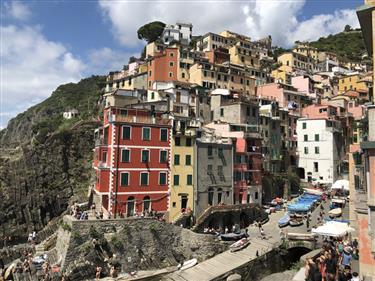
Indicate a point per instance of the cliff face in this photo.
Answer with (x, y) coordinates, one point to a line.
(45, 160)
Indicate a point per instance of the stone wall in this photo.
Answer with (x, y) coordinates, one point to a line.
(135, 243)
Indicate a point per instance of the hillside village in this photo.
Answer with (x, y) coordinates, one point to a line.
(217, 122)
(201, 132)
(208, 125)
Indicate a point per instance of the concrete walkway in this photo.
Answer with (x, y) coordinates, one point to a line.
(225, 262)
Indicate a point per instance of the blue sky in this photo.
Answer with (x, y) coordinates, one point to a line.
(52, 42)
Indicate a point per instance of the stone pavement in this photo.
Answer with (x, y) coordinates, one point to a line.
(222, 263)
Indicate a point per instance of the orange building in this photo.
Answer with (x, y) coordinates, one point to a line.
(163, 66)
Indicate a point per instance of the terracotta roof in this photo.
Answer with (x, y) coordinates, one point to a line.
(351, 93)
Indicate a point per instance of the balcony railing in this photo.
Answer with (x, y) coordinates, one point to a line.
(139, 119)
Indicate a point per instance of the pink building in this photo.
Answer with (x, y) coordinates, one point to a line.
(286, 95)
(304, 84)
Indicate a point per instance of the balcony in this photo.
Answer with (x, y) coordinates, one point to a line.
(139, 119)
(101, 142)
(103, 165)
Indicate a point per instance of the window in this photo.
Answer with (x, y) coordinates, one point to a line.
(188, 141)
(162, 178)
(124, 180)
(104, 156)
(163, 134)
(316, 149)
(303, 125)
(306, 150)
(152, 95)
(209, 169)
(305, 137)
(163, 156)
(177, 141)
(126, 132)
(144, 178)
(189, 180)
(316, 167)
(177, 159)
(220, 170)
(146, 134)
(221, 112)
(316, 137)
(176, 180)
(220, 151)
(145, 156)
(149, 73)
(171, 54)
(209, 151)
(170, 74)
(174, 204)
(183, 74)
(256, 195)
(125, 155)
(171, 63)
(188, 160)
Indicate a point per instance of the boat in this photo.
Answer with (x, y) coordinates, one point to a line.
(284, 220)
(239, 245)
(8, 275)
(313, 191)
(187, 264)
(296, 221)
(232, 236)
(335, 213)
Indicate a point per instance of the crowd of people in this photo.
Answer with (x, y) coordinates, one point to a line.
(334, 262)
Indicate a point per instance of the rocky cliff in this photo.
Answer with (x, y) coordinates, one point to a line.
(45, 160)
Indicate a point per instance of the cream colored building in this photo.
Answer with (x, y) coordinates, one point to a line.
(182, 175)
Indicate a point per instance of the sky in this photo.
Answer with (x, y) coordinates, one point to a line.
(48, 43)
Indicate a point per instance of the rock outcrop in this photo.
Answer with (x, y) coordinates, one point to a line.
(45, 160)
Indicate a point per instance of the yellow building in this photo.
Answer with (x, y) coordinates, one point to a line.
(182, 175)
(241, 55)
(355, 82)
(306, 50)
(226, 76)
(298, 60)
(282, 74)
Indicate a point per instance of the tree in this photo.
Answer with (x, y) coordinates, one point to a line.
(347, 28)
(132, 59)
(151, 31)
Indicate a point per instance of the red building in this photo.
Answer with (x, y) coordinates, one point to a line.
(132, 161)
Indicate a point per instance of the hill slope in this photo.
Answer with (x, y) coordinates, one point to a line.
(347, 45)
(45, 160)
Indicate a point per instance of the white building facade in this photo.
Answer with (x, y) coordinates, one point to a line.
(319, 149)
(181, 32)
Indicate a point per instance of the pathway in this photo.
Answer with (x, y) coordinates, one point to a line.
(223, 263)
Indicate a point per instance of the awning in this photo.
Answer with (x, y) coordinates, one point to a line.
(333, 228)
(341, 185)
(241, 145)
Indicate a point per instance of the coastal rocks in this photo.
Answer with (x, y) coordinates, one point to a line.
(37, 182)
(132, 245)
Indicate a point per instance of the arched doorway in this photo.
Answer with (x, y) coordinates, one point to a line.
(219, 195)
(146, 204)
(130, 206)
(210, 196)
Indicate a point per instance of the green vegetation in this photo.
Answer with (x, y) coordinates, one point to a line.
(151, 31)
(95, 234)
(348, 45)
(117, 243)
(46, 118)
(65, 226)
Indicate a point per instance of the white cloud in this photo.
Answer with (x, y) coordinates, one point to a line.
(103, 60)
(17, 10)
(258, 18)
(32, 67)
